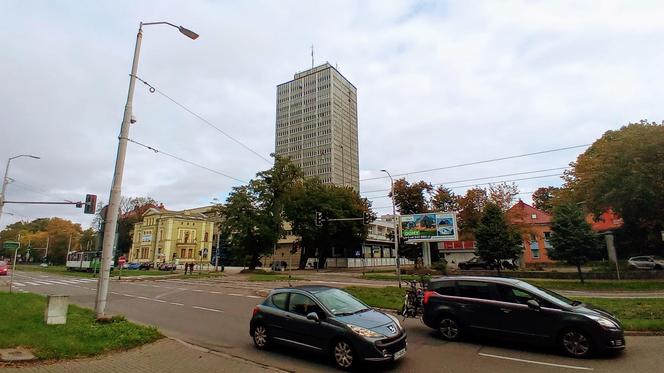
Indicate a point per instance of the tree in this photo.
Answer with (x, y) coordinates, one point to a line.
(572, 239)
(471, 206)
(411, 198)
(503, 194)
(334, 202)
(444, 199)
(131, 212)
(496, 239)
(543, 198)
(624, 171)
(35, 234)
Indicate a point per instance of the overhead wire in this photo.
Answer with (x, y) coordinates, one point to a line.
(153, 89)
(480, 162)
(186, 161)
(31, 188)
(481, 178)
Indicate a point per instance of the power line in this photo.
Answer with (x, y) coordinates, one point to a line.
(390, 206)
(185, 161)
(481, 178)
(480, 162)
(36, 190)
(185, 108)
(478, 184)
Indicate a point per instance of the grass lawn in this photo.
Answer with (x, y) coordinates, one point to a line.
(635, 314)
(590, 285)
(23, 325)
(271, 277)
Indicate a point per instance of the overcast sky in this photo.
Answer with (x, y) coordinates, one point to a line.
(439, 83)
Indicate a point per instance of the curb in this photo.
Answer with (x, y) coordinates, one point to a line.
(639, 333)
(229, 356)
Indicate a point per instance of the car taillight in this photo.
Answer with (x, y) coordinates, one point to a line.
(428, 294)
(256, 309)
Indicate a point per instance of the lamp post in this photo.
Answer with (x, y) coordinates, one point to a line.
(396, 231)
(5, 180)
(111, 219)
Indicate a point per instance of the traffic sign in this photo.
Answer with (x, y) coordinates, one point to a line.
(122, 260)
(11, 245)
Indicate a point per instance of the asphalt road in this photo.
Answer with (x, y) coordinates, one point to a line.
(216, 313)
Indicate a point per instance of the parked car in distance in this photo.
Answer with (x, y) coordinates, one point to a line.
(3, 268)
(475, 263)
(133, 266)
(146, 265)
(167, 267)
(646, 262)
(516, 310)
(279, 265)
(328, 321)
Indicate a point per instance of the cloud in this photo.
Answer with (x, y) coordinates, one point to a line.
(439, 83)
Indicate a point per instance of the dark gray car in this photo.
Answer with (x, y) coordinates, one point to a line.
(329, 321)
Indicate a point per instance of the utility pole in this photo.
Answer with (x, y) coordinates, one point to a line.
(216, 259)
(116, 187)
(5, 179)
(48, 240)
(396, 228)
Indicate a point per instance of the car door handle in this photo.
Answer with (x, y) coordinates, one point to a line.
(506, 310)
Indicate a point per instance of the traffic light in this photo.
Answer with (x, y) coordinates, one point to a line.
(90, 204)
(319, 219)
(366, 217)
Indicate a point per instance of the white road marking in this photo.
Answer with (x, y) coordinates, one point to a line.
(196, 290)
(32, 283)
(176, 304)
(207, 309)
(18, 284)
(254, 296)
(236, 295)
(535, 362)
(158, 300)
(215, 292)
(156, 286)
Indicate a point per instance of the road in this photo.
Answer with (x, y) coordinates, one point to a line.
(215, 314)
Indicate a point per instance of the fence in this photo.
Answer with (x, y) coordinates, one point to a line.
(364, 262)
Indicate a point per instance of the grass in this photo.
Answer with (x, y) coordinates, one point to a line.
(635, 314)
(388, 297)
(62, 270)
(590, 285)
(271, 277)
(23, 325)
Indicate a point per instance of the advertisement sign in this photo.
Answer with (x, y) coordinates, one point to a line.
(434, 226)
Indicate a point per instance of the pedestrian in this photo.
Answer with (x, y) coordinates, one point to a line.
(186, 267)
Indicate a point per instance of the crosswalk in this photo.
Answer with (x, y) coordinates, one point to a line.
(46, 282)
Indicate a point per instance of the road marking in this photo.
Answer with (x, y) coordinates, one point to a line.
(18, 284)
(236, 295)
(535, 362)
(176, 304)
(254, 296)
(206, 309)
(215, 292)
(32, 283)
(156, 286)
(158, 300)
(196, 290)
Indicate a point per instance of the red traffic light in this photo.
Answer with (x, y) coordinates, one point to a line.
(90, 204)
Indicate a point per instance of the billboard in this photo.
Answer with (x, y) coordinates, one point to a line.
(434, 226)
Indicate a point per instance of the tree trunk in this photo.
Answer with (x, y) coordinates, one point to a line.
(578, 267)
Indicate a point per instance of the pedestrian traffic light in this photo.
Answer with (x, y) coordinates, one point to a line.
(366, 217)
(319, 219)
(90, 204)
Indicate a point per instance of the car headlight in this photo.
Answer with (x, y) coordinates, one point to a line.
(364, 332)
(604, 322)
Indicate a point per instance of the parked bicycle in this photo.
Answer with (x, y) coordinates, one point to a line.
(412, 304)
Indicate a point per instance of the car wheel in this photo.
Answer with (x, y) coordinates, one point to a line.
(343, 354)
(261, 337)
(576, 343)
(449, 328)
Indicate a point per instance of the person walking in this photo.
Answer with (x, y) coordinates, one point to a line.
(186, 267)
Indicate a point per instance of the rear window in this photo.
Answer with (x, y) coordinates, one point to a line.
(474, 289)
(444, 288)
(280, 300)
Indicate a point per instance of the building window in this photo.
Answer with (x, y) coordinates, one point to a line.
(533, 216)
(145, 252)
(547, 240)
(206, 236)
(534, 246)
(183, 253)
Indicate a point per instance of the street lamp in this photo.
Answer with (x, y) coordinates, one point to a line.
(5, 180)
(396, 231)
(111, 218)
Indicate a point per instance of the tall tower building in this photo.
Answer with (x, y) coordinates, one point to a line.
(317, 125)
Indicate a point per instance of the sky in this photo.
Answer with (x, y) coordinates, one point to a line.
(439, 83)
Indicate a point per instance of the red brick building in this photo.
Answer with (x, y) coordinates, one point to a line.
(535, 226)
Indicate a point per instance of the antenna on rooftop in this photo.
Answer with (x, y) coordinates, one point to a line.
(312, 56)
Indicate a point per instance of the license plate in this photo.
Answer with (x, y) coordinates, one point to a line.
(399, 354)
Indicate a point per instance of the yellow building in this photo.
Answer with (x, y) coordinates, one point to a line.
(173, 236)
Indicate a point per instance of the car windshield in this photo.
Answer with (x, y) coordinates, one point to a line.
(549, 295)
(340, 303)
(2, 264)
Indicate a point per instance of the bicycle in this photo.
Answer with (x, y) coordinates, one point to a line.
(412, 304)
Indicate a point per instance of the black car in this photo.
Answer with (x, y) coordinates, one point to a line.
(475, 263)
(329, 321)
(513, 309)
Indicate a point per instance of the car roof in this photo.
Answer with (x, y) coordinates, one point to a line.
(498, 280)
(313, 289)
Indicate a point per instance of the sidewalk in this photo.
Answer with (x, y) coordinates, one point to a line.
(166, 355)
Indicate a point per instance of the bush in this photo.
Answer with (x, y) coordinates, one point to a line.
(440, 266)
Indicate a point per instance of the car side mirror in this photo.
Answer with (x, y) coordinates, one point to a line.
(313, 316)
(533, 304)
